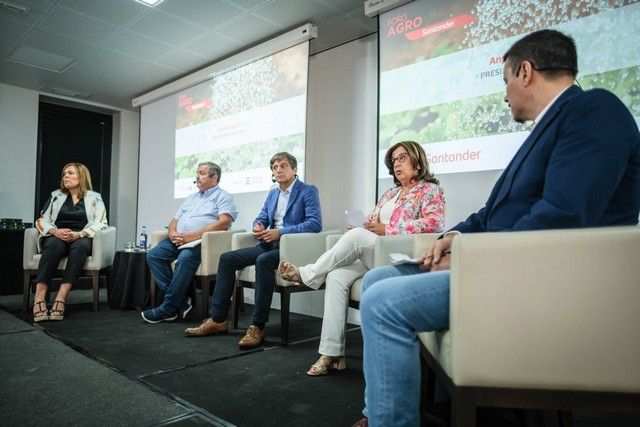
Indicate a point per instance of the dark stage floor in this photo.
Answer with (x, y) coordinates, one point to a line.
(112, 368)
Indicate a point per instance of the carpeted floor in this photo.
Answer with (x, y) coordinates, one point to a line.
(112, 368)
(134, 373)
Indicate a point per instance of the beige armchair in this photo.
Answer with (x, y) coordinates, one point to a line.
(384, 246)
(541, 319)
(299, 249)
(214, 243)
(101, 258)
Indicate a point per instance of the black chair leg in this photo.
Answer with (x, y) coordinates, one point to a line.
(26, 291)
(238, 297)
(95, 276)
(285, 299)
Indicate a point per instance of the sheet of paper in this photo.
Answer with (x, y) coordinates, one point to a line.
(397, 258)
(355, 218)
(191, 244)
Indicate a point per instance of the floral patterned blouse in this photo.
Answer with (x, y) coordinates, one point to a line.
(421, 210)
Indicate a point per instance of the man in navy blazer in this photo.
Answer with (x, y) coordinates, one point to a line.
(579, 167)
(291, 207)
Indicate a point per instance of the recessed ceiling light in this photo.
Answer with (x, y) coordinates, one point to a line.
(40, 58)
(70, 92)
(150, 3)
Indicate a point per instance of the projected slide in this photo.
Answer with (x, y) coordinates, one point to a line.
(441, 71)
(240, 119)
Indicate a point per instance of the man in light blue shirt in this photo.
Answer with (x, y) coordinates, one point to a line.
(210, 209)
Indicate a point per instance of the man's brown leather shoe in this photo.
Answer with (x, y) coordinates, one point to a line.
(208, 327)
(252, 338)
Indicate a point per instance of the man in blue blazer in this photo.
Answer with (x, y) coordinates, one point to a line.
(579, 167)
(291, 207)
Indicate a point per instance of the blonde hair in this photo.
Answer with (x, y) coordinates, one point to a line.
(84, 176)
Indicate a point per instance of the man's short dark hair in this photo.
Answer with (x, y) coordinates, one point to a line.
(213, 169)
(284, 156)
(550, 52)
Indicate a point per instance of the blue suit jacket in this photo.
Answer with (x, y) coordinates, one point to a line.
(579, 167)
(303, 210)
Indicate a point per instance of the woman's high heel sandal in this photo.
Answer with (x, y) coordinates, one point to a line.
(55, 313)
(325, 364)
(290, 272)
(40, 311)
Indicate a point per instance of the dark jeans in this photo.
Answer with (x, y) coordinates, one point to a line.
(174, 283)
(54, 249)
(266, 258)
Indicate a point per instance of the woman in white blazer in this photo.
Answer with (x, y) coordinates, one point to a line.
(66, 227)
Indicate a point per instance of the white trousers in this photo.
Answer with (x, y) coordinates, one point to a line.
(338, 269)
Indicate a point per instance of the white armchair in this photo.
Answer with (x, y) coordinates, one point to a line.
(299, 249)
(101, 258)
(541, 319)
(214, 243)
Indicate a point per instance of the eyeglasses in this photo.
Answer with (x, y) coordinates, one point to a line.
(549, 68)
(400, 159)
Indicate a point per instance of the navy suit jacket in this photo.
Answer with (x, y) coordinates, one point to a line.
(303, 210)
(579, 167)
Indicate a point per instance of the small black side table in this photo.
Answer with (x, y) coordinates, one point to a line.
(11, 272)
(128, 281)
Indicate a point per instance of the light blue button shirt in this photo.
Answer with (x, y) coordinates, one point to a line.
(204, 207)
(281, 208)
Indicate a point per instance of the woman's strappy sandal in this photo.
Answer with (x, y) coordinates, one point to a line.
(290, 272)
(325, 364)
(55, 313)
(40, 311)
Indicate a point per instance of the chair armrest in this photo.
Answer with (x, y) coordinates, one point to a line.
(422, 241)
(156, 236)
(104, 248)
(302, 248)
(242, 240)
(554, 309)
(385, 245)
(30, 248)
(332, 239)
(214, 244)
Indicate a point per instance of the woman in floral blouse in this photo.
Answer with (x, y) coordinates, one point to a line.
(414, 205)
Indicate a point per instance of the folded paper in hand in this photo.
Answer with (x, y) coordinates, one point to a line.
(191, 244)
(397, 258)
(355, 218)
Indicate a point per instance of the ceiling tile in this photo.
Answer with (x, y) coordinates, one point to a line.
(184, 61)
(249, 29)
(138, 45)
(247, 4)
(57, 44)
(284, 12)
(35, 10)
(202, 12)
(116, 12)
(107, 62)
(166, 28)
(77, 26)
(346, 5)
(213, 46)
(23, 75)
(11, 33)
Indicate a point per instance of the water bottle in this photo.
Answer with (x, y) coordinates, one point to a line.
(142, 241)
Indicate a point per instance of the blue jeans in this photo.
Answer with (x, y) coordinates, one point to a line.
(265, 257)
(174, 283)
(397, 303)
